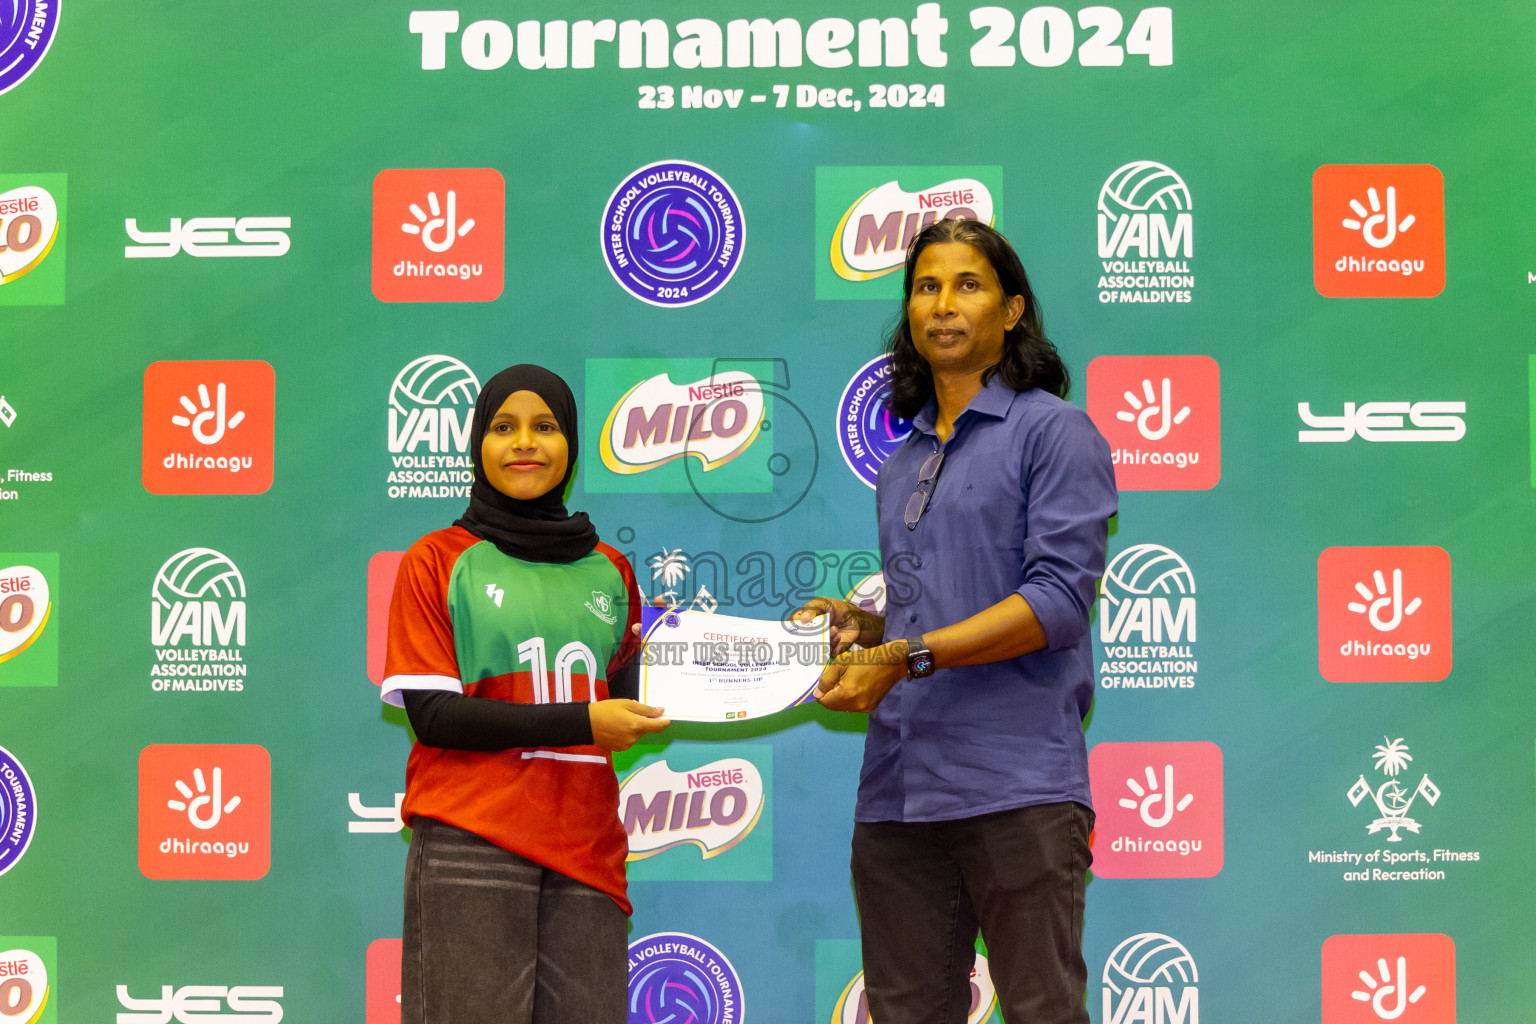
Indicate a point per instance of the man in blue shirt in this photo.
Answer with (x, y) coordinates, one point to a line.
(973, 808)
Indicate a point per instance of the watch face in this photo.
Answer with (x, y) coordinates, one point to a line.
(920, 665)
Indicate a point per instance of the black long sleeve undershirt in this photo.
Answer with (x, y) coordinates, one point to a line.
(458, 722)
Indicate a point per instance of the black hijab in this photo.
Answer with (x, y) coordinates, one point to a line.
(539, 529)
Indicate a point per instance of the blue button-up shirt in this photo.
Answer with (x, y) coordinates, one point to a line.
(1021, 506)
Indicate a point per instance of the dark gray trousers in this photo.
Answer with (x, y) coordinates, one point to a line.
(924, 889)
(493, 938)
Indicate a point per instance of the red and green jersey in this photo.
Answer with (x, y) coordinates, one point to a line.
(469, 619)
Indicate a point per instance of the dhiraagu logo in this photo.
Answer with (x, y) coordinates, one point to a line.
(698, 813)
(867, 216)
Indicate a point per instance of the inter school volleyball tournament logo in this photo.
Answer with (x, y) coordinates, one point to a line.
(678, 977)
(712, 807)
(25, 987)
(1147, 624)
(1146, 235)
(197, 622)
(867, 216)
(852, 1005)
(1372, 978)
(1151, 977)
(18, 810)
(26, 32)
(1160, 809)
(1378, 231)
(205, 811)
(208, 427)
(1162, 418)
(867, 430)
(29, 644)
(431, 410)
(672, 233)
(438, 235)
(1384, 614)
(32, 228)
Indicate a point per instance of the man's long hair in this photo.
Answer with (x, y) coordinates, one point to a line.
(1029, 358)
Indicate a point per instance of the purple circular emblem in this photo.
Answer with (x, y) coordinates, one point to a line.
(18, 811)
(26, 31)
(672, 233)
(867, 431)
(681, 979)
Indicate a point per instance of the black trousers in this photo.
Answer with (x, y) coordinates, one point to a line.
(925, 888)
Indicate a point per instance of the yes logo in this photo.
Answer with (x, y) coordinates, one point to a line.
(1378, 231)
(204, 811)
(431, 406)
(1162, 418)
(1383, 421)
(867, 216)
(29, 636)
(25, 980)
(32, 223)
(209, 236)
(1384, 614)
(1373, 978)
(1160, 809)
(208, 427)
(193, 1004)
(438, 235)
(682, 821)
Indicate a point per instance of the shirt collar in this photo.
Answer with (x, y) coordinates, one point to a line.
(992, 400)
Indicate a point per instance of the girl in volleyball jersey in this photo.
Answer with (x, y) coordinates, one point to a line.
(511, 635)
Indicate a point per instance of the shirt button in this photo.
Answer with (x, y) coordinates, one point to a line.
(919, 563)
(911, 618)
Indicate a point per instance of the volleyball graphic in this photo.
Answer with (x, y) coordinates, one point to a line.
(676, 978)
(1143, 185)
(1146, 569)
(1149, 959)
(433, 381)
(197, 573)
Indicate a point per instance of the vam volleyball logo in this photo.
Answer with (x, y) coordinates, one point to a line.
(32, 216)
(18, 810)
(1162, 418)
(712, 420)
(29, 643)
(431, 411)
(1372, 978)
(853, 1005)
(26, 33)
(672, 233)
(25, 988)
(867, 430)
(1146, 235)
(674, 977)
(1150, 978)
(713, 807)
(197, 623)
(438, 235)
(205, 811)
(867, 216)
(1160, 809)
(1384, 614)
(1147, 623)
(208, 426)
(1378, 231)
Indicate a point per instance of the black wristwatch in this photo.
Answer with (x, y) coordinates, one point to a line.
(919, 659)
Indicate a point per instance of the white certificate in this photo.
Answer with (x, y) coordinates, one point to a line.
(703, 667)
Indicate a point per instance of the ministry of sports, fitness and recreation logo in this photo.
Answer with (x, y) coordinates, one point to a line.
(867, 430)
(672, 233)
(1372, 978)
(679, 977)
(197, 618)
(1392, 799)
(1147, 620)
(26, 31)
(431, 410)
(1384, 614)
(32, 233)
(18, 810)
(29, 643)
(25, 989)
(1146, 235)
(1151, 977)
(1378, 231)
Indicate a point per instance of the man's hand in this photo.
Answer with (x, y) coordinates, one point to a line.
(849, 625)
(617, 724)
(859, 680)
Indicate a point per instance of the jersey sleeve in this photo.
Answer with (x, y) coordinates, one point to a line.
(420, 653)
(629, 642)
